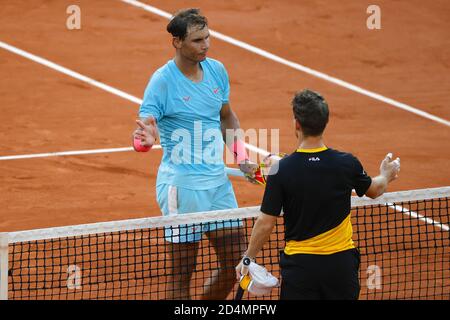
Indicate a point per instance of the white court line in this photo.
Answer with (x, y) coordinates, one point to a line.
(69, 153)
(300, 67)
(110, 150)
(413, 214)
(230, 171)
(69, 72)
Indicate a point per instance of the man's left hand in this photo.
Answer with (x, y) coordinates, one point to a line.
(241, 270)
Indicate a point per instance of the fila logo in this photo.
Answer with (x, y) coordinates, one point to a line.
(216, 90)
(187, 98)
(314, 159)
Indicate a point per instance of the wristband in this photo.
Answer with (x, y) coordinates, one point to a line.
(238, 149)
(137, 145)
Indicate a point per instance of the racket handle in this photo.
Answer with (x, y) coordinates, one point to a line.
(239, 293)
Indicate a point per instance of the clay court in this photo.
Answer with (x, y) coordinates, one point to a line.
(121, 45)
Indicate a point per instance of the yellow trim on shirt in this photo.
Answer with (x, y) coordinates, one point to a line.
(312, 150)
(332, 241)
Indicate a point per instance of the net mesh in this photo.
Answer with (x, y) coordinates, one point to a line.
(404, 248)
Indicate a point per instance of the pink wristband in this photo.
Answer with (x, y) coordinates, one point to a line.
(238, 148)
(139, 147)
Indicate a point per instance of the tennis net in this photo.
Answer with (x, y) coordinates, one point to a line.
(403, 238)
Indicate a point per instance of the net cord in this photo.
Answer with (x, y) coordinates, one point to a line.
(201, 217)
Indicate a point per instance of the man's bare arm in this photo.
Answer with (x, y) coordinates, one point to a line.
(228, 120)
(234, 140)
(260, 234)
(388, 172)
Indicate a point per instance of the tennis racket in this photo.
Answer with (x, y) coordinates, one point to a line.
(239, 293)
(244, 279)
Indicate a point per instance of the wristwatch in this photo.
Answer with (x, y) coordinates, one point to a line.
(247, 260)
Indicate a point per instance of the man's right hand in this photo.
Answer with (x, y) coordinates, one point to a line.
(249, 169)
(146, 132)
(390, 169)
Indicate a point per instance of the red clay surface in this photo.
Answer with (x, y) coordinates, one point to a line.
(121, 45)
